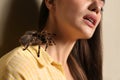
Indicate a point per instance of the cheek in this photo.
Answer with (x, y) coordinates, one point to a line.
(69, 8)
(70, 14)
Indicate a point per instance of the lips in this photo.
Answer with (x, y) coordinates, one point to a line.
(90, 20)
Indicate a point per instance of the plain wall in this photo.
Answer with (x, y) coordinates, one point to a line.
(18, 16)
(111, 40)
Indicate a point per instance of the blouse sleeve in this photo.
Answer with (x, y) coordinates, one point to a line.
(8, 73)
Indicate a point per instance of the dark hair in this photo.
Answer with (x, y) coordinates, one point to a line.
(85, 59)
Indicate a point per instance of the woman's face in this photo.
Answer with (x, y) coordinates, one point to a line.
(78, 17)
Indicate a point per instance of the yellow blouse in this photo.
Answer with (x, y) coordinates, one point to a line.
(25, 65)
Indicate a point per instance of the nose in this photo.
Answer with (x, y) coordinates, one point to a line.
(95, 6)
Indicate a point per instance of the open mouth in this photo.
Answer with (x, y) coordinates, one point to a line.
(90, 20)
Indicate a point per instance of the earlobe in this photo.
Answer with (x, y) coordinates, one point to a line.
(49, 4)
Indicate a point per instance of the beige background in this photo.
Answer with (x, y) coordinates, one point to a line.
(111, 40)
(17, 16)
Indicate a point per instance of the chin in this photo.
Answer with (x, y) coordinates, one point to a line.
(87, 36)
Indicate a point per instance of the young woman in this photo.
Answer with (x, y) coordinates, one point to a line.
(73, 28)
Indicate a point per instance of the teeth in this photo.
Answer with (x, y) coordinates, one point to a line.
(90, 20)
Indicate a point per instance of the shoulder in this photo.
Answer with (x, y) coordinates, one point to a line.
(12, 55)
(17, 59)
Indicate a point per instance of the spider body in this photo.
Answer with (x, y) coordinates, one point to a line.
(35, 38)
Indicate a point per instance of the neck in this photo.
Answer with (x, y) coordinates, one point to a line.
(60, 51)
(64, 42)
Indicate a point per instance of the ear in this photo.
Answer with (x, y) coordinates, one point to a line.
(50, 4)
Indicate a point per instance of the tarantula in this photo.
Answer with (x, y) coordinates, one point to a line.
(37, 38)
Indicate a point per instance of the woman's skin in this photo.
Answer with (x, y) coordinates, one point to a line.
(71, 20)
